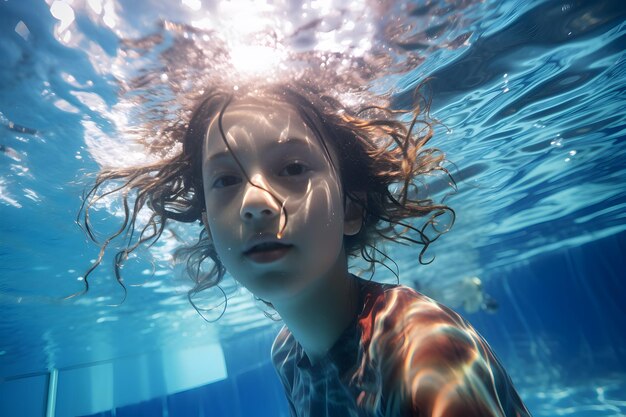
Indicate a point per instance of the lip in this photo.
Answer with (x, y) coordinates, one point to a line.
(268, 256)
(259, 238)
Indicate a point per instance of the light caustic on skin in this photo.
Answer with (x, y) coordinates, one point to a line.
(287, 182)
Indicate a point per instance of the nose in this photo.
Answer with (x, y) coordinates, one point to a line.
(258, 203)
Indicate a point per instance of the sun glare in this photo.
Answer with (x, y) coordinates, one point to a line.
(244, 26)
(255, 60)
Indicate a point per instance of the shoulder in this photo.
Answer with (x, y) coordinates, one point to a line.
(401, 309)
(432, 361)
(404, 330)
(397, 308)
(423, 332)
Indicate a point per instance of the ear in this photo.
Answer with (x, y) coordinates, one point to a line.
(353, 215)
(205, 222)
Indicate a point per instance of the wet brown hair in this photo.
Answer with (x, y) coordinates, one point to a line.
(381, 159)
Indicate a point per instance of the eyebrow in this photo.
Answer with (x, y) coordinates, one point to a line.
(291, 141)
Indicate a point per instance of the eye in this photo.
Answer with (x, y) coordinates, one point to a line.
(226, 181)
(294, 168)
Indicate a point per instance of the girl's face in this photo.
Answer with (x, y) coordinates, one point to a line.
(287, 165)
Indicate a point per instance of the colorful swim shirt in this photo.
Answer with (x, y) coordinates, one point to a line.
(404, 355)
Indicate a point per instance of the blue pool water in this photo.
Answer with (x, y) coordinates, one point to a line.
(533, 112)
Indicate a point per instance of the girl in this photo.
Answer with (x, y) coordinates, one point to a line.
(289, 184)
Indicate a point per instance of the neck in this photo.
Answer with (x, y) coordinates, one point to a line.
(319, 316)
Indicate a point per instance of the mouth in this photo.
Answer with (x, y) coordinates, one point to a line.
(267, 252)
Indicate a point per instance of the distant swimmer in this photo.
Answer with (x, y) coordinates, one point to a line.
(474, 297)
(21, 129)
(468, 293)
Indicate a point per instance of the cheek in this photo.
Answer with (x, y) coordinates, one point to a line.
(319, 211)
(221, 228)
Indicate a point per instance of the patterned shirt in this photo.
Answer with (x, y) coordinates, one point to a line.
(403, 355)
